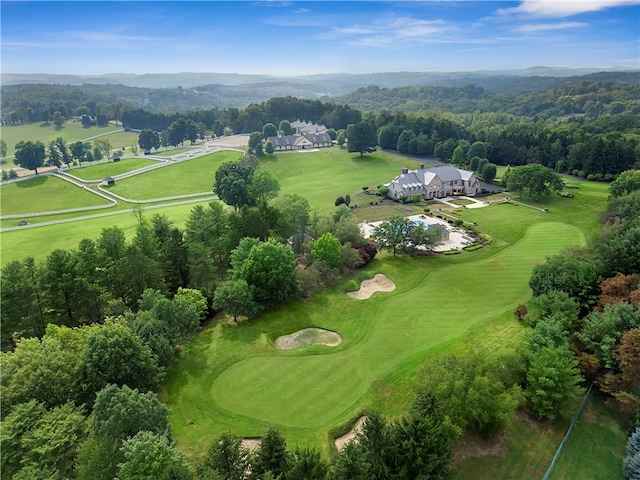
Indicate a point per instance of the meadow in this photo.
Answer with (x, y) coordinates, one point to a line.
(71, 131)
(190, 176)
(45, 193)
(324, 175)
(110, 169)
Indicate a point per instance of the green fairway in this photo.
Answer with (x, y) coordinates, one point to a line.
(45, 193)
(191, 176)
(71, 132)
(109, 169)
(232, 378)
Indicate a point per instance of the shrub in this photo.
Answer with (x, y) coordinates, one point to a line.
(382, 190)
(520, 312)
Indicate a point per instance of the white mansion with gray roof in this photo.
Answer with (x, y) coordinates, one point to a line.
(435, 182)
(300, 141)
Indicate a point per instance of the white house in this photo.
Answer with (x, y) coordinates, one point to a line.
(300, 141)
(435, 182)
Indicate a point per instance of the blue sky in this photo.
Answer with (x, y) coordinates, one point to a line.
(299, 38)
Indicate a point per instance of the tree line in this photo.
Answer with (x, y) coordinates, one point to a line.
(586, 300)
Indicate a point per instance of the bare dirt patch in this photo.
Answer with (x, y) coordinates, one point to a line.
(351, 434)
(478, 447)
(379, 283)
(308, 336)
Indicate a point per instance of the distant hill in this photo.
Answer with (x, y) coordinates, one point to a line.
(197, 91)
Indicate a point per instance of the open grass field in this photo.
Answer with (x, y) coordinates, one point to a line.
(39, 242)
(71, 132)
(191, 176)
(45, 193)
(323, 176)
(108, 169)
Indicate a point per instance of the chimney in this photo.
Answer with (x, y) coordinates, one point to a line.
(405, 170)
(422, 166)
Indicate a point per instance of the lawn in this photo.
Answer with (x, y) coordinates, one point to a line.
(110, 169)
(323, 176)
(190, 176)
(45, 193)
(172, 152)
(594, 450)
(232, 378)
(71, 132)
(596, 446)
(39, 242)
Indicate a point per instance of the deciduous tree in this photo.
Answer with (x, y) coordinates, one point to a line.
(30, 155)
(148, 139)
(361, 138)
(327, 249)
(270, 269)
(552, 381)
(236, 298)
(149, 455)
(233, 183)
(626, 183)
(116, 355)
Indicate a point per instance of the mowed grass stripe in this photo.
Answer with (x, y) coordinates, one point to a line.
(110, 169)
(311, 391)
(45, 193)
(41, 241)
(191, 176)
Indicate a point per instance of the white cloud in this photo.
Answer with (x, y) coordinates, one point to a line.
(272, 3)
(394, 32)
(302, 10)
(561, 8)
(540, 27)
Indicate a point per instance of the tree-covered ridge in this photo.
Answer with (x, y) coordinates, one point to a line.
(583, 98)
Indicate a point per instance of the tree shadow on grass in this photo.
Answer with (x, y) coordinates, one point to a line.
(32, 182)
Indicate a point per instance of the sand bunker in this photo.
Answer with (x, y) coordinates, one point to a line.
(379, 283)
(351, 434)
(250, 444)
(308, 336)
